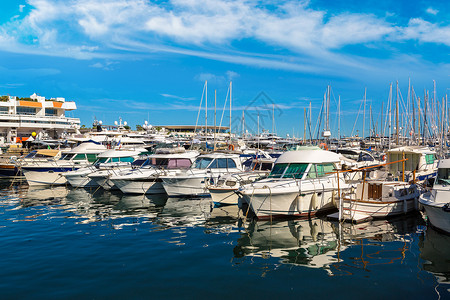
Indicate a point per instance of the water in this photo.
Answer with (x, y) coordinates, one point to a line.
(74, 243)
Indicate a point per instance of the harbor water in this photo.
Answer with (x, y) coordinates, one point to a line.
(91, 244)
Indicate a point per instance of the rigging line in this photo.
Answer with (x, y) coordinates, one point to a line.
(200, 107)
(354, 125)
(224, 106)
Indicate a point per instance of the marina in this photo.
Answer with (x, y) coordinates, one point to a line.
(224, 149)
(252, 207)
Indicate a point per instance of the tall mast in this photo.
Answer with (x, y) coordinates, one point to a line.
(328, 108)
(215, 128)
(418, 116)
(339, 117)
(206, 109)
(304, 125)
(396, 116)
(364, 114)
(310, 115)
(390, 113)
(231, 93)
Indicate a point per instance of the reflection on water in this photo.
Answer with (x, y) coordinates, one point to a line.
(298, 247)
(435, 250)
(306, 242)
(318, 243)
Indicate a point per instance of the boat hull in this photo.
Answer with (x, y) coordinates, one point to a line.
(48, 177)
(295, 204)
(185, 186)
(224, 196)
(140, 186)
(438, 213)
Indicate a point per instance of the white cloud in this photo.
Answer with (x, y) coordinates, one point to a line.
(432, 11)
(21, 7)
(424, 31)
(107, 65)
(210, 29)
(178, 97)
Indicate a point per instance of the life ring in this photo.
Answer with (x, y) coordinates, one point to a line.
(231, 147)
(323, 146)
(383, 158)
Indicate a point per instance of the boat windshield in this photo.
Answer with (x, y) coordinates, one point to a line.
(31, 154)
(68, 156)
(179, 163)
(285, 170)
(101, 160)
(443, 176)
(202, 162)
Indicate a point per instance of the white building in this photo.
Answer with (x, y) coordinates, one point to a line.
(19, 117)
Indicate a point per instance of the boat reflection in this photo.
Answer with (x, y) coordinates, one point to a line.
(317, 243)
(435, 249)
(377, 242)
(224, 219)
(185, 212)
(310, 242)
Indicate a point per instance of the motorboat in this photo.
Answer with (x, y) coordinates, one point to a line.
(51, 172)
(145, 178)
(206, 168)
(10, 166)
(107, 162)
(223, 192)
(301, 183)
(437, 201)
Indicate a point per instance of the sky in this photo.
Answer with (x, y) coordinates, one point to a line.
(148, 60)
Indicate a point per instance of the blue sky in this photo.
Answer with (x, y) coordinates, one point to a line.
(148, 60)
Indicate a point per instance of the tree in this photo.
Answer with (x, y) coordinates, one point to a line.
(139, 128)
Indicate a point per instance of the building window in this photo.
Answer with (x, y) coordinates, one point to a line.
(26, 110)
(3, 110)
(51, 112)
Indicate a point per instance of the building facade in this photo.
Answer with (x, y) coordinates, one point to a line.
(20, 117)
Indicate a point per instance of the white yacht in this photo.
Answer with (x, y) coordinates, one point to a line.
(206, 168)
(145, 179)
(301, 183)
(113, 159)
(51, 172)
(437, 202)
(223, 192)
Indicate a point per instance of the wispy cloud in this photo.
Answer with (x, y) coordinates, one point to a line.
(107, 65)
(178, 97)
(313, 39)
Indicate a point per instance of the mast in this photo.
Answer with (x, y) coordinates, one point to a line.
(215, 128)
(231, 90)
(304, 125)
(418, 115)
(390, 114)
(339, 117)
(206, 109)
(396, 117)
(310, 115)
(364, 114)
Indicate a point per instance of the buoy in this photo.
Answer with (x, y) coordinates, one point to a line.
(231, 147)
(33, 134)
(313, 201)
(323, 146)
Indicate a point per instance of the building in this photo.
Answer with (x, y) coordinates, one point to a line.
(20, 117)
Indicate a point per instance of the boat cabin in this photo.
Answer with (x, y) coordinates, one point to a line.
(305, 164)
